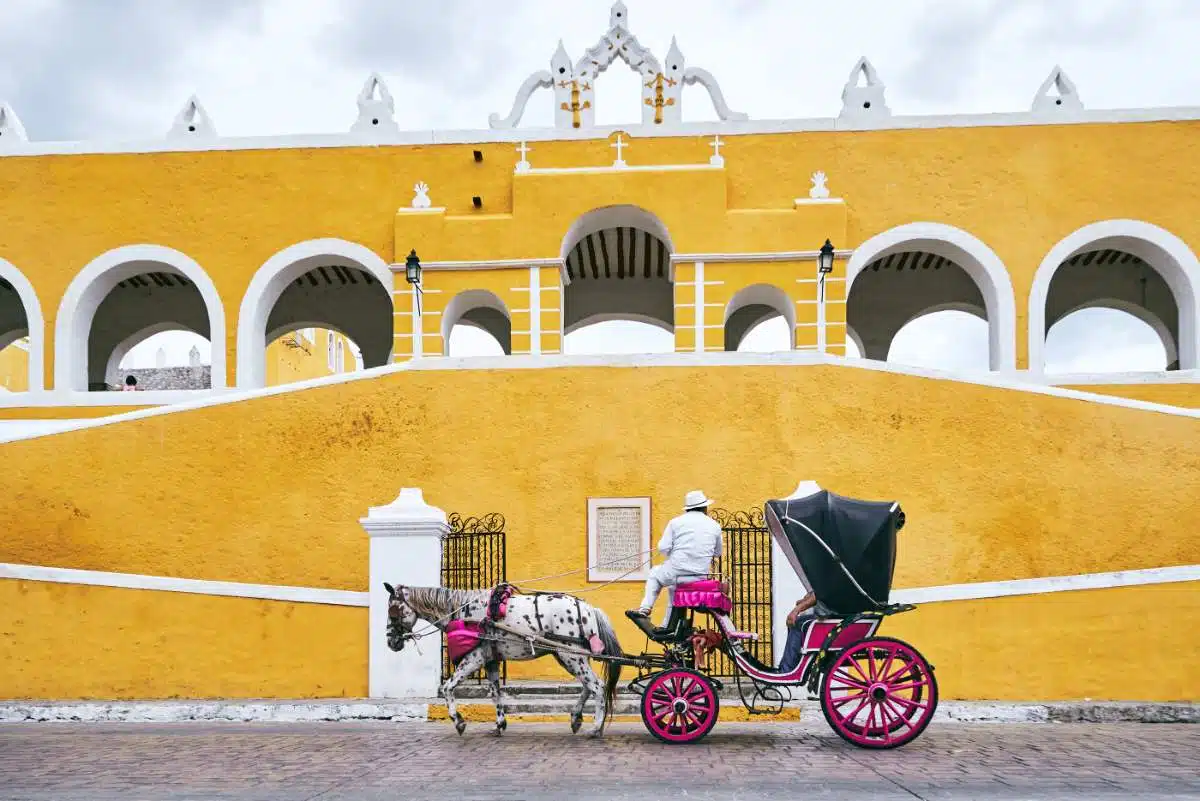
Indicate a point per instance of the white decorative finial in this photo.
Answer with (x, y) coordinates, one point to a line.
(560, 63)
(819, 190)
(194, 357)
(618, 16)
(863, 101)
(421, 198)
(716, 159)
(376, 109)
(11, 129)
(1065, 98)
(523, 165)
(620, 145)
(192, 121)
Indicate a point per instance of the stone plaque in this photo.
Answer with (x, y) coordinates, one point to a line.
(618, 538)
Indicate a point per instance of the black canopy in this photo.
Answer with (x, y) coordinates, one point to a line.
(843, 549)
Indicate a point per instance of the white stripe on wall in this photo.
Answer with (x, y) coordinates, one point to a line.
(1039, 586)
(312, 595)
(134, 581)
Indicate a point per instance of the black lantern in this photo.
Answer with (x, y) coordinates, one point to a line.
(824, 258)
(412, 268)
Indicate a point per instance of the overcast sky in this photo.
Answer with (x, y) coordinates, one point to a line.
(106, 69)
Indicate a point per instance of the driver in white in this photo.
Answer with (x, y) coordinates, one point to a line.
(690, 543)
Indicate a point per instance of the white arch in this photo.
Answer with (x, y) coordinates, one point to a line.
(92, 285)
(618, 216)
(1133, 310)
(853, 336)
(464, 302)
(620, 317)
(1166, 253)
(133, 340)
(972, 255)
(965, 308)
(34, 321)
(272, 278)
(764, 295)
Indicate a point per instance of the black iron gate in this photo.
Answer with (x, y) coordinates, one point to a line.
(746, 565)
(473, 559)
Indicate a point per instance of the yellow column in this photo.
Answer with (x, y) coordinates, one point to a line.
(546, 308)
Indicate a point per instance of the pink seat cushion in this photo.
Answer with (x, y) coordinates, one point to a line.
(705, 594)
(461, 638)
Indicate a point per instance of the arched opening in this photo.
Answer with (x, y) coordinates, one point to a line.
(1109, 337)
(617, 269)
(760, 318)
(328, 284)
(918, 269)
(943, 339)
(300, 352)
(1125, 266)
(854, 346)
(476, 323)
(22, 332)
(161, 357)
(119, 297)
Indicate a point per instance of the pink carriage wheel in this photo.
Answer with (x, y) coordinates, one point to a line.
(879, 693)
(680, 706)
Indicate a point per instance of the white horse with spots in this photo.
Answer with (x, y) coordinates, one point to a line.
(533, 626)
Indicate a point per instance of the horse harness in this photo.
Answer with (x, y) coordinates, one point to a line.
(497, 609)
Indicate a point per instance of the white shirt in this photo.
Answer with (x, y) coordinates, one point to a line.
(690, 543)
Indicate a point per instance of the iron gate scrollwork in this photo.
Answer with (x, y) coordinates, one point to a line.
(473, 559)
(746, 565)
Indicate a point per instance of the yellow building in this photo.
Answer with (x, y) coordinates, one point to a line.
(703, 229)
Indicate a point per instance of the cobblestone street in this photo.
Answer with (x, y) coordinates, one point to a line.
(72, 762)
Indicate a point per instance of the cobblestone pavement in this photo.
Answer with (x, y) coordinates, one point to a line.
(534, 762)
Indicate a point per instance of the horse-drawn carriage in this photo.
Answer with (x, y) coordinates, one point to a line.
(875, 692)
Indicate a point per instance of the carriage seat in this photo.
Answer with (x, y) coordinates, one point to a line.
(709, 594)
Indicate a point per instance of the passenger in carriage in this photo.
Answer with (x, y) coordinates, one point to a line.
(807, 609)
(690, 543)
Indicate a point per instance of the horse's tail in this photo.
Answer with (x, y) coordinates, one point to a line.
(612, 670)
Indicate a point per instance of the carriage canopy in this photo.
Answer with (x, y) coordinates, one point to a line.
(843, 549)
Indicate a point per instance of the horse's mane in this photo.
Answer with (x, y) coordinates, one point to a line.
(440, 602)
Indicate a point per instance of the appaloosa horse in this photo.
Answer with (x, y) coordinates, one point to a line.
(492, 626)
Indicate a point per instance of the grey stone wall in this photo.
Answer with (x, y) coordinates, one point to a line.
(159, 378)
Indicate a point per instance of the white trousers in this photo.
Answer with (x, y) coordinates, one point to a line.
(665, 575)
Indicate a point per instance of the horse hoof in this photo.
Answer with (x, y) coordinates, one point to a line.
(576, 723)
(460, 724)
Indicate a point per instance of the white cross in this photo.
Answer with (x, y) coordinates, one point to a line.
(619, 145)
(523, 164)
(717, 160)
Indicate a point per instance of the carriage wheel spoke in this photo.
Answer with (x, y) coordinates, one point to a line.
(846, 679)
(910, 686)
(900, 716)
(845, 699)
(871, 664)
(883, 671)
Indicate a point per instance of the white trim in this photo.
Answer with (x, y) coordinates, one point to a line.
(1166, 253)
(623, 168)
(1048, 584)
(535, 312)
(34, 321)
(135, 581)
(1118, 379)
(978, 260)
(425, 210)
(418, 327)
(817, 201)
(684, 129)
(72, 327)
(267, 710)
(269, 282)
(777, 255)
(698, 308)
(484, 264)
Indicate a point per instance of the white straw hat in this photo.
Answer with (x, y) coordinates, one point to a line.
(695, 499)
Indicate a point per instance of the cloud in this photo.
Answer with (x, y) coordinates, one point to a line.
(72, 67)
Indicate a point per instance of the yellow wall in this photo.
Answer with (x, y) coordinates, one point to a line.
(997, 484)
(70, 641)
(292, 357)
(234, 209)
(14, 367)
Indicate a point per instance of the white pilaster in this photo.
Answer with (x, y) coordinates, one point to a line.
(535, 310)
(699, 307)
(417, 327)
(406, 549)
(821, 332)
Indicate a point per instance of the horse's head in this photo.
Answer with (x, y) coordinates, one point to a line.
(401, 617)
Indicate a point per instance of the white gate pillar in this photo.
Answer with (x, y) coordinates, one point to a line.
(406, 549)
